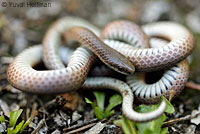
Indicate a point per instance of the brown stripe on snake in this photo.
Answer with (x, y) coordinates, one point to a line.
(107, 55)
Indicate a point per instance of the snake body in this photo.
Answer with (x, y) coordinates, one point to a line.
(150, 59)
(63, 79)
(173, 80)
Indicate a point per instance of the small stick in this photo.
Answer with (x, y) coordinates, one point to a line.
(59, 101)
(193, 85)
(34, 109)
(181, 119)
(81, 128)
(80, 125)
(172, 93)
(39, 126)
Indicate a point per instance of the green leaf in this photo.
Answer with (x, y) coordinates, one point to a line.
(25, 125)
(90, 102)
(98, 113)
(100, 97)
(108, 114)
(127, 126)
(152, 127)
(113, 102)
(18, 127)
(164, 130)
(10, 131)
(2, 119)
(145, 108)
(169, 107)
(131, 126)
(123, 126)
(14, 115)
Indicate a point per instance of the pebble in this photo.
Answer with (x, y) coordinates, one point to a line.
(96, 129)
(193, 20)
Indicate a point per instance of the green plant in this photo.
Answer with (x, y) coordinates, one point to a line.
(13, 129)
(2, 119)
(99, 111)
(151, 127)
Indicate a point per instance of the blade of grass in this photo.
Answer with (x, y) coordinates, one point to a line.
(2, 119)
(90, 102)
(18, 127)
(131, 126)
(100, 97)
(14, 115)
(25, 125)
(113, 102)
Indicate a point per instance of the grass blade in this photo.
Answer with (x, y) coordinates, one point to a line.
(14, 115)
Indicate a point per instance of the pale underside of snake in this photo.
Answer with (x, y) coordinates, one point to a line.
(64, 79)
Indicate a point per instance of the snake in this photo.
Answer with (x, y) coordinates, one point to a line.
(121, 45)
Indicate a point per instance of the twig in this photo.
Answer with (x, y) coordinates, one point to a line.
(80, 125)
(172, 93)
(40, 125)
(188, 117)
(193, 85)
(59, 101)
(34, 109)
(28, 113)
(42, 109)
(96, 129)
(80, 129)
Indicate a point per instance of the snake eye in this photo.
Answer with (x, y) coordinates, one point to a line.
(122, 70)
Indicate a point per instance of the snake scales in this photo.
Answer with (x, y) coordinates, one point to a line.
(125, 37)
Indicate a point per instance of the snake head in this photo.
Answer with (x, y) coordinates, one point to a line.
(121, 64)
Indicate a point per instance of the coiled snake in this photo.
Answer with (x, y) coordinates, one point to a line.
(133, 53)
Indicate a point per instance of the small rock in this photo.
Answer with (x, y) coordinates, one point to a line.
(4, 106)
(15, 91)
(75, 116)
(20, 42)
(63, 115)
(2, 127)
(191, 129)
(96, 129)
(14, 107)
(39, 13)
(58, 119)
(6, 60)
(56, 132)
(197, 119)
(193, 20)
(110, 129)
(153, 10)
